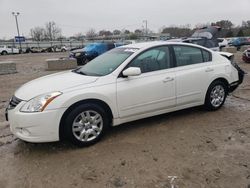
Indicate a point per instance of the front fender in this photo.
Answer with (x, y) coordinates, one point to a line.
(104, 93)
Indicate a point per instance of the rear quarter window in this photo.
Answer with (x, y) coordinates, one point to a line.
(186, 55)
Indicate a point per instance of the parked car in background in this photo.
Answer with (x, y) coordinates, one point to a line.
(222, 42)
(35, 50)
(91, 51)
(125, 84)
(57, 48)
(246, 56)
(240, 41)
(4, 50)
(206, 37)
(208, 43)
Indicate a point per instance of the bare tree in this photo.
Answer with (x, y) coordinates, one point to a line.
(52, 31)
(91, 33)
(37, 33)
(201, 25)
(79, 36)
(176, 31)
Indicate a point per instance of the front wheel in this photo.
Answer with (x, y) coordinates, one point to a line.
(216, 95)
(85, 124)
(4, 53)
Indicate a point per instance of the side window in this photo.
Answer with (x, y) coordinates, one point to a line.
(153, 60)
(186, 55)
(206, 56)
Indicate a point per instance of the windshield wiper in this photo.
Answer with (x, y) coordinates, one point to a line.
(82, 73)
(79, 72)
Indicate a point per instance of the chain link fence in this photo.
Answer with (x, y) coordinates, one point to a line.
(44, 44)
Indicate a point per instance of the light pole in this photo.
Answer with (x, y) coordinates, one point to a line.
(146, 23)
(16, 14)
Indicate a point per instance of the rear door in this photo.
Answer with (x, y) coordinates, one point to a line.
(193, 72)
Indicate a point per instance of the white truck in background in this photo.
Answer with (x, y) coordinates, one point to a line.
(4, 50)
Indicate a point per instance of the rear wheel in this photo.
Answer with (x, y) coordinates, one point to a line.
(216, 95)
(85, 124)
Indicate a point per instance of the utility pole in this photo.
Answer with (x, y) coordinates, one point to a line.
(16, 14)
(146, 23)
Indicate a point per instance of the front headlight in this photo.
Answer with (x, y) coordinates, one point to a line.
(39, 103)
(78, 54)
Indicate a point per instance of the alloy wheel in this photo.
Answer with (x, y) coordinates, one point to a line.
(217, 96)
(87, 126)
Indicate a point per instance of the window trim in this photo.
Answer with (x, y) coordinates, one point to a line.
(210, 55)
(172, 64)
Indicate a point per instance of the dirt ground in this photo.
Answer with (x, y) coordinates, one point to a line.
(203, 149)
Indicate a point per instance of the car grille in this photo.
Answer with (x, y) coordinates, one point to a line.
(14, 102)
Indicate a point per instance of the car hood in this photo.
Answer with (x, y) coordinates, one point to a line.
(54, 82)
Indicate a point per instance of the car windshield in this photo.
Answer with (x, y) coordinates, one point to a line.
(106, 63)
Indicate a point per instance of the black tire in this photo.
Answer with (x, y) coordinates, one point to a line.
(63, 50)
(67, 126)
(80, 61)
(209, 104)
(4, 53)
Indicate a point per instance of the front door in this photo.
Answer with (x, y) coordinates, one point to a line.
(153, 90)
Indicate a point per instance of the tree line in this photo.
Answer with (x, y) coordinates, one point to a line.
(228, 29)
(51, 31)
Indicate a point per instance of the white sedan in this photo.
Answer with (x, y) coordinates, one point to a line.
(4, 50)
(125, 84)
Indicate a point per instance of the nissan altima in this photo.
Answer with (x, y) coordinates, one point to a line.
(125, 84)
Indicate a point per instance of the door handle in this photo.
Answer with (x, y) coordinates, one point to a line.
(209, 69)
(168, 79)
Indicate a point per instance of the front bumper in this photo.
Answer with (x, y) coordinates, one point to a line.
(35, 127)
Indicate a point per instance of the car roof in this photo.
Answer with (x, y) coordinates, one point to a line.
(145, 45)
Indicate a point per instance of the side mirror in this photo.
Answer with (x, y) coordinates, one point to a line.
(132, 71)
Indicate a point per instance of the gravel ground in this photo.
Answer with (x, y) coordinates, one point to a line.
(203, 149)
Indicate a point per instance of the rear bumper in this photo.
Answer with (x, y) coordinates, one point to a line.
(241, 74)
